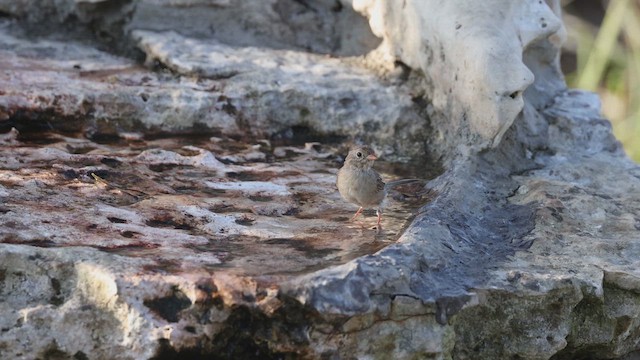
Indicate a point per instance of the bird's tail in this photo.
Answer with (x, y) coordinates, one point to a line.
(394, 183)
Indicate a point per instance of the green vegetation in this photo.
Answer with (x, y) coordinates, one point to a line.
(607, 56)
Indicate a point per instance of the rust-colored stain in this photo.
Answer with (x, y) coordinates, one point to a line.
(186, 203)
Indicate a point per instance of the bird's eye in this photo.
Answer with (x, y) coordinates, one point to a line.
(359, 154)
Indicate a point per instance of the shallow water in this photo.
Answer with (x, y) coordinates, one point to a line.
(182, 202)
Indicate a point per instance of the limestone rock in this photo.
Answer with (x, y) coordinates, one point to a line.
(278, 93)
(480, 91)
(122, 239)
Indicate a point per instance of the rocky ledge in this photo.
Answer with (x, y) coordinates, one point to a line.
(187, 209)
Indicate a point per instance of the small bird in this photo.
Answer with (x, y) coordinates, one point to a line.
(360, 184)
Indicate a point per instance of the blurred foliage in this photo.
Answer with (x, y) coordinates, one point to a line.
(602, 54)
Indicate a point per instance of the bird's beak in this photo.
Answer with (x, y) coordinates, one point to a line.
(372, 157)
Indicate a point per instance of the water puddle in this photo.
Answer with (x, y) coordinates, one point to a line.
(251, 208)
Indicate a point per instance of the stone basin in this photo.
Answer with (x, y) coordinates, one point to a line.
(167, 184)
(185, 203)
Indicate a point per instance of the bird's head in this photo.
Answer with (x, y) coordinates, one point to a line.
(361, 157)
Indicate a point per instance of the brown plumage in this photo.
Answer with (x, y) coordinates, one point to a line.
(359, 183)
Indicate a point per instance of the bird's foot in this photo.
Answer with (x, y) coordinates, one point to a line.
(357, 214)
(378, 224)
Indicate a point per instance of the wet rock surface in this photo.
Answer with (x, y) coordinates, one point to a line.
(186, 207)
(90, 219)
(249, 209)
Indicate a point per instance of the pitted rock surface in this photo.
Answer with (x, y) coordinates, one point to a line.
(167, 186)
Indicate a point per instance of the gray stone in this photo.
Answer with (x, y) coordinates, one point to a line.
(273, 94)
(133, 242)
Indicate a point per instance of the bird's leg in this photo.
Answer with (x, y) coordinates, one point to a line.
(357, 213)
(379, 227)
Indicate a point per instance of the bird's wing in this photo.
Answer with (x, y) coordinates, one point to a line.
(379, 183)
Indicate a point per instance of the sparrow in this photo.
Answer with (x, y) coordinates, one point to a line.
(360, 184)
